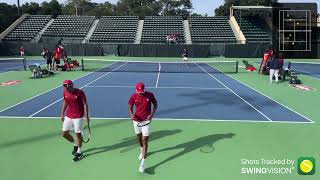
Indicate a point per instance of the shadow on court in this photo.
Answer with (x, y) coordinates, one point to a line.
(188, 147)
(52, 135)
(130, 143)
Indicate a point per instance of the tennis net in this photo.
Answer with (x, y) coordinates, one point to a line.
(164, 67)
(13, 64)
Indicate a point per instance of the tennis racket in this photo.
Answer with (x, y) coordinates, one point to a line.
(207, 149)
(86, 134)
(144, 123)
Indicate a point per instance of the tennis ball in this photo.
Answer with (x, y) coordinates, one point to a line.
(306, 166)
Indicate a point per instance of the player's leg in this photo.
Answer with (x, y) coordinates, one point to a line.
(145, 138)
(276, 74)
(67, 127)
(138, 132)
(78, 130)
(271, 72)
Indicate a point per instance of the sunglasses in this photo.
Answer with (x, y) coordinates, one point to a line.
(66, 85)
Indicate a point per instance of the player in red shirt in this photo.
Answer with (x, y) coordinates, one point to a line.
(75, 104)
(21, 50)
(142, 100)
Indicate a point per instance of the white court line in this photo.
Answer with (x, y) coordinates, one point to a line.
(235, 93)
(170, 119)
(204, 88)
(271, 98)
(79, 88)
(158, 75)
(45, 92)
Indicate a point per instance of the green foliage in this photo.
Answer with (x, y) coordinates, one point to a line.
(141, 8)
(224, 10)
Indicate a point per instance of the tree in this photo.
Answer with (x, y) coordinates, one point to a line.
(52, 8)
(8, 14)
(30, 8)
(224, 9)
(176, 7)
(138, 7)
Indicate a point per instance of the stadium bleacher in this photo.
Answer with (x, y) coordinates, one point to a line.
(29, 28)
(156, 29)
(115, 29)
(211, 30)
(254, 30)
(69, 27)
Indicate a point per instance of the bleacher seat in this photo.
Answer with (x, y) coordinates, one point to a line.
(211, 30)
(254, 30)
(156, 29)
(115, 29)
(29, 28)
(69, 27)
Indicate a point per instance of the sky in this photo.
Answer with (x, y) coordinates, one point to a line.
(200, 6)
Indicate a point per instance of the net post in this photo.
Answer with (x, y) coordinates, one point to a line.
(24, 61)
(82, 65)
(237, 66)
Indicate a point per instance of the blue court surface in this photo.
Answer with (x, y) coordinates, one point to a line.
(309, 69)
(16, 65)
(208, 96)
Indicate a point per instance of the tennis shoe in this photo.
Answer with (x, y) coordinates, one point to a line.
(77, 157)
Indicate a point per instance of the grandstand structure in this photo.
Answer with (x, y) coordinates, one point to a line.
(211, 30)
(156, 28)
(132, 30)
(115, 29)
(29, 28)
(69, 28)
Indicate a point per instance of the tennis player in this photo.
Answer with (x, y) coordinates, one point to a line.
(75, 105)
(142, 100)
(21, 50)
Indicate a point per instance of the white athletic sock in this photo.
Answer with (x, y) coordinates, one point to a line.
(79, 150)
(142, 162)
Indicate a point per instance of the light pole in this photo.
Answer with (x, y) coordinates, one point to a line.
(18, 6)
(76, 9)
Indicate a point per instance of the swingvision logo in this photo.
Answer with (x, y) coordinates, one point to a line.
(306, 166)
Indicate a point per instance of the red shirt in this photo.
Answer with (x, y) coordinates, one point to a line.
(21, 50)
(266, 57)
(75, 101)
(143, 105)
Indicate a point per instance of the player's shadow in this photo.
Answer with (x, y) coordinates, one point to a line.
(45, 137)
(188, 147)
(129, 143)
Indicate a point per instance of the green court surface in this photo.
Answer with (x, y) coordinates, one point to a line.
(32, 148)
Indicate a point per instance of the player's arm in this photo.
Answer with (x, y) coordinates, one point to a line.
(131, 111)
(63, 110)
(86, 108)
(131, 104)
(154, 109)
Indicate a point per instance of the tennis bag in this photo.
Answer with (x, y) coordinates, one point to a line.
(294, 81)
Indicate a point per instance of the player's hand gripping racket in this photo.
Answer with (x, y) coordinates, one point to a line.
(144, 123)
(86, 134)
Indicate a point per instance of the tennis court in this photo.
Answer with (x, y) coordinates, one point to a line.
(311, 69)
(196, 90)
(203, 103)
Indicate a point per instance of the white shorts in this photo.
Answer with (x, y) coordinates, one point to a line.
(145, 130)
(21, 53)
(185, 58)
(72, 124)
